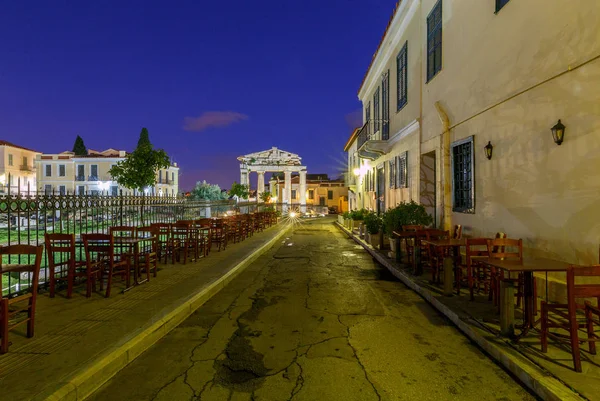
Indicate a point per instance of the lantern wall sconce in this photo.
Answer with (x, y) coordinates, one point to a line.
(488, 150)
(558, 133)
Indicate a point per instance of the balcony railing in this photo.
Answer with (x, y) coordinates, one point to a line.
(25, 167)
(80, 178)
(92, 178)
(164, 181)
(374, 130)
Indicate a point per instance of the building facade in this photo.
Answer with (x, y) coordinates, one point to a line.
(67, 173)
(450, 77)
(320, 191)
(17, 169)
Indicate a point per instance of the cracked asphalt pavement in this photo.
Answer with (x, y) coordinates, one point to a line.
(315, 318)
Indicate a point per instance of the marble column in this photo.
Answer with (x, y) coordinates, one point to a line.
(287, 189)
(260, 187)
(303, 191)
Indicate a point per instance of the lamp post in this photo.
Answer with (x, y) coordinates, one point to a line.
(488, 150)
(558, 132)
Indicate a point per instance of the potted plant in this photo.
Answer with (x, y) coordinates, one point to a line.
(373, 227)
(357, 217)
(346, 216)
(406, 213)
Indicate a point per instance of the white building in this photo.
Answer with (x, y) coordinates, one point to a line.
(17, 165)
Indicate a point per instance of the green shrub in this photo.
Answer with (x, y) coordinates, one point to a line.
(405, 214)
(358, 214)
(372, 223)
(346, 215)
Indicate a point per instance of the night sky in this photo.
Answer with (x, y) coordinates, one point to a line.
(211, 80)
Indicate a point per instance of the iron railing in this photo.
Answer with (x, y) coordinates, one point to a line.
(25, 167)
(373, 130)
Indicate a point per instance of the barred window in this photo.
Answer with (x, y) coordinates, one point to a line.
(402, 170)
(434, 41)
(500, 4)
(392, 170)
(368, 112)
(402, 77)
(376, 110)
(463, 193)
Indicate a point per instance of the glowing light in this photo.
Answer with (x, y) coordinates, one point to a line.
(103, 185)
(293, 214)
(357, 171)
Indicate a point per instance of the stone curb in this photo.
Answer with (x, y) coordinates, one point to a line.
(92, 376)
(545, 386)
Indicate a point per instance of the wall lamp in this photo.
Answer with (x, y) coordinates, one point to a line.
(488, 150)
(558, 132)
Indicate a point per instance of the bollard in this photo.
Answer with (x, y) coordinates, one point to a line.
(448, 276)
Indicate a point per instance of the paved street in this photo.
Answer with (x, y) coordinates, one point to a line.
(314, 319)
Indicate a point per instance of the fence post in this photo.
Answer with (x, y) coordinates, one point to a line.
(121, 208)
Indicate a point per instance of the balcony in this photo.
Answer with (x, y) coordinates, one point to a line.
(164, 181)
(80, 178)
(25, 167)
(372, 139)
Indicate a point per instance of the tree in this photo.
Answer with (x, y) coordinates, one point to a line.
(265, 197)
(240, 190)
(79, 147)
(144, 138)
(205, 191)
(138, 170)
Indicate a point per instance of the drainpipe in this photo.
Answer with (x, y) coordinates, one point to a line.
(445, 148)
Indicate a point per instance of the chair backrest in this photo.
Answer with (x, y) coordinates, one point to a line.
(123, 231)
(203, 222)
(505, 248)
(457, 233)
(59, 245)
(476, 247)
(412, 227)
(98, 245)
(499, 234)
(26, 251)
(181, 223)
(437, 234)
(582, 290)
(149, 231)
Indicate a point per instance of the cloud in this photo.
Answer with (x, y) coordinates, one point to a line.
(354, 119)
(212, 119)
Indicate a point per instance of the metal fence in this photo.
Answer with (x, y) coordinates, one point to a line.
(24, 219)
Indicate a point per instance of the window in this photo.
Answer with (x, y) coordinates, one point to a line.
(48, 170)
(385, 106)
(402, 77)
(293, 194)
(392, 170)
(463, 195)
(311, 194)
(61, 170)
(93, 172)
(62, 190)
(434, 41)
(48, 189)
(159, 176)
(376, 110)
(173, 177)
(500, 4)
(81, 190)
(25, 161)
(330, 195)
(402, 170)
(10, 159)
(368, 112)
(80, 173)
(114, 190)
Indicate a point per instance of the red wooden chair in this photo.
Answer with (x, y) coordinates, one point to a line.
(167, 245)
(62, 264)
(100, 256)
(25, 303)
(148, 253)
(187, 237)
(410, 242)
(435, 254)
(476, 248)
(505, 248)
(565, 317)
(218, 232)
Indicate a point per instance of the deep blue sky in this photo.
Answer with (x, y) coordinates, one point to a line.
(280, 72)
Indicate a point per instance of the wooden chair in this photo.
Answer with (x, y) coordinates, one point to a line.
(148, 254)
(511, 249)
(62, 263)
(476, 248)
(410, 242)
(25, 303)
(436, 255)
(565, 317)
(100, 256)
(457, 232)
(186, 237)
(218, 232)
(167, 245)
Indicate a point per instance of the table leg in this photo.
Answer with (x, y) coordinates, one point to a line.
(398, 250)
(507, 308)
(448, 274)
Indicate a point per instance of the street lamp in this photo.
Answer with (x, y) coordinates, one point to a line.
(558, 132)
(488, 150)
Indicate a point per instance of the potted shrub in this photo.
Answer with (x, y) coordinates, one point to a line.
(357, 217)
(404, 214)
(346, 216)
(373, 227)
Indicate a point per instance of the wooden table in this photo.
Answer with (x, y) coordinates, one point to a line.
(449, 261)
(134, 242)
(528, 266)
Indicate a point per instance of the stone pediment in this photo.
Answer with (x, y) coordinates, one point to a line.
(271, 157)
